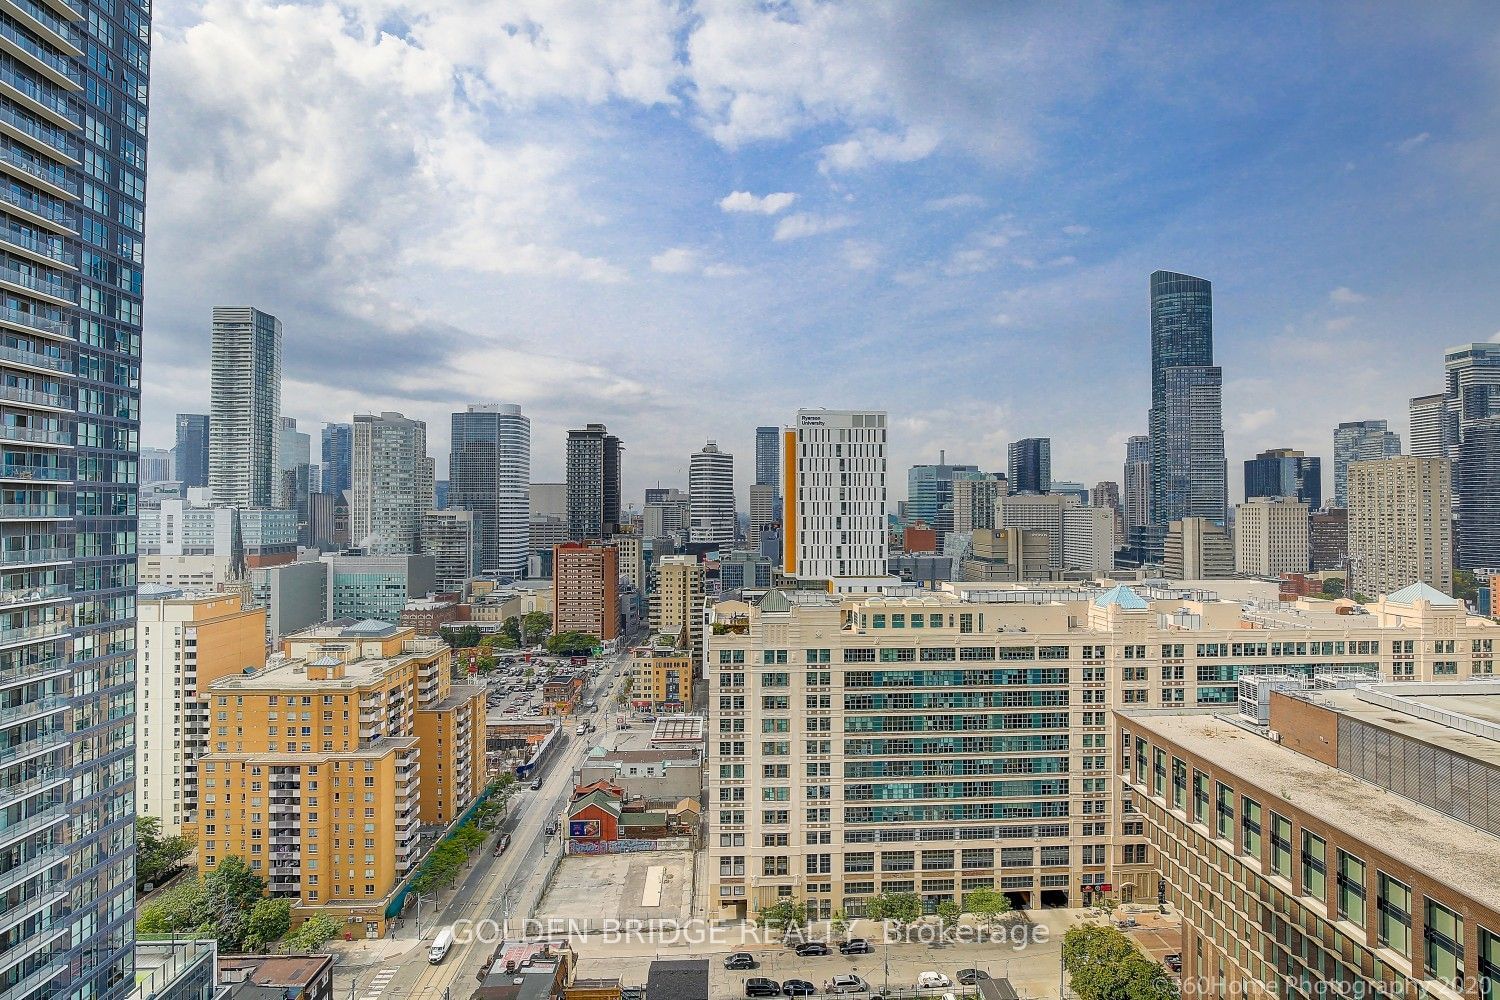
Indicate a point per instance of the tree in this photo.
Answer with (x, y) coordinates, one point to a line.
(572, 644)
(1465, 585)
(315, 932)
(839, 925)
(269, 919)
(1103, 964)
(987, 905)
(174, 910)
(1094, 943)
(1333, 588)
(787, 915)
(899, 908)
(948, 914)
(230, 890)
(465, 637)
(157, 857)
(511, 629)
(535, 626)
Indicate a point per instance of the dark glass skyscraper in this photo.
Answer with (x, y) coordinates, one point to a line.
(1471, 437)
(593, 470)
(1282, 472)
(1029, 465)
(338, 444)
(768, 456)
(191, 451)
(73, 101)
(1189, 477)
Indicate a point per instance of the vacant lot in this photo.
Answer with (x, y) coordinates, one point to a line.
(590, 890)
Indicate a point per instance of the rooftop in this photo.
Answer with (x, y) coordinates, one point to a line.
(350, 628)
(1449, 851)
(1421, 592)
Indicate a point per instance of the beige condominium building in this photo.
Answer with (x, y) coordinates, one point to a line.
(1346, 845)
(1270, 537)
(1400, 524)
(677, 603)
(938, 742)
(324, 766)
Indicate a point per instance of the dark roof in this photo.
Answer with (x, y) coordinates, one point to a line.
(684, 979)
(653, 818)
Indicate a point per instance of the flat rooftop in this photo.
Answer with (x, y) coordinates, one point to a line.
(1481, 702)
(1484, 707)
(1454, 853)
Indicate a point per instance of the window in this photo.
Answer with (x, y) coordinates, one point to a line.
(1250, 829)
(1224, 811)
(1393, 915)
(1179, 784)
(1200, 798)
(1351, 885)
(1281, 846)
(1314, 867)
(1444, 936)
(1489, 961)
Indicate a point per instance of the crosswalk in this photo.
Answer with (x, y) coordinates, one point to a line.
(378, 984)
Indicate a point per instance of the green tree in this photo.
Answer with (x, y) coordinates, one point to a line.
(175, 910)
(1333, 588)
(535, 626)
(786, 915)
(947, 914)
(987, 904)
(1146, 980)
(511, 629)
(1465, 585)
(839, 925)
(1103, 964)
(269, 919)
(157, 857)
(899, 908)
(230, 890)
(572, 644)
(315, 932)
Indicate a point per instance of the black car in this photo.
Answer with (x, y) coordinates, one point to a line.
(741, 960)
(968, 977)
(633, 993)
(757, 986)
(798, 988)
(856, 946)
(812, 949)
(1174, 961)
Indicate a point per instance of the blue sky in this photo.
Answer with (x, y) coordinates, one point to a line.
(689, 219)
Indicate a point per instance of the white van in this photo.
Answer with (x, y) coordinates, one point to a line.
(440, 946)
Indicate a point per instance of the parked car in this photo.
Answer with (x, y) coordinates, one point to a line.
(848, 984)
(1174, 961)
(969, 977)
(536, 784)
(741, 960)
(812, 949)
(758, 986)
(933, 980)
(797, 988)
(856, 946)
(633, 993)
(551, 827)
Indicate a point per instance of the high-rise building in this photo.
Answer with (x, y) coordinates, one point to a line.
(1079, 537)
(156, 466)
(74, 81)
(667, 512)
(1188, 471)
(191, 451)
(593, 473)
(768, 456)
(1107, 494)
(392, 483)
(549, 500)
(711, 496)
(631, 558)
(835, 498)
(245, 420)
(489, 473)
(1029, 465)
(1359, 441)
(677, 607)
(764, 511)
(974, 496)
(1283, 472)
(376, 587)
(929, 493)
(337, 458)
(294, 467)
(1400, 524)
(1196, 548)
(1136, 497)
(1427, 419)
(187, 641)
(1328, 539)
(450, 537)
(1270, 537)
(1472, 443)
(586, 589)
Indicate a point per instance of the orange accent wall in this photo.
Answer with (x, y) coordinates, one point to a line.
(789, 501)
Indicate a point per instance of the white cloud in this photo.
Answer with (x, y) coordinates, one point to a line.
(870, 146)
(686, 260)
(744, 201)
(1344, 296)
(1414, 142)
(1339, 324)
(1495, 337)
(1254, 420)
(861, 255)
(800, 225)
(953, 202)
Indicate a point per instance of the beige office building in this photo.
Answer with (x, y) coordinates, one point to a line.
(1401, 524)
(1197, 549)
(631, 559)
(677, 605)
(939, 742)
(1270, 537)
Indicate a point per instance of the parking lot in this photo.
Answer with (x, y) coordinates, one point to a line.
(589, 890)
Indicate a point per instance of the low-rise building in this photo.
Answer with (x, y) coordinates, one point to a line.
(661, 677)
(661, 777)
(276, 977)
(428, 614)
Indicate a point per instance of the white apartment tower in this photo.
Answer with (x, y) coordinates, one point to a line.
(1270, 537)
(245, 425)
(392, 483)
(711, 496)
(835, 492)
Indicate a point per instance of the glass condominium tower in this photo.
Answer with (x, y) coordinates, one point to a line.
(73, 101)
(1189, 477)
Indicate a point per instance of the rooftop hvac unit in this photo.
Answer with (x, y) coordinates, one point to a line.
(1255, 693)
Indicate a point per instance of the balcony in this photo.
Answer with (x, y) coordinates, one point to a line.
(36, 435)
(39, 172)
(34, 322)
(56, 68)
(34, 556)
(30, 633)
(31, 595)
(45, 212)
(30, 397)
(50, 816)
(37, 284)
(31, 710)
(29, 673)
(50, 362)
(46, 743)
(47, 24)
(30, 246)
(33, 512)
(50, 859)
(54, 106)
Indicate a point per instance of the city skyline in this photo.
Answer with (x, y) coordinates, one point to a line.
(980, 221)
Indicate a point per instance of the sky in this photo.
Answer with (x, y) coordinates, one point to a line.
(688, 219)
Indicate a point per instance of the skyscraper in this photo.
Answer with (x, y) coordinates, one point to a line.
(1472, 407)
(1189, 477)
(156, 465)
(835, 493)
(392, 487)
(338, 443)
(293, 467)
(767, 456)
(929, 493)
(1029, 465)
(974, 496)
(246, 391)
(1283, 472)
(711, 496)
(191, 451)
(1400, 524)
(489, 473)
(1359, 441)
(1137, 493)
(75, 164)
(1426, 437)
(593, 472)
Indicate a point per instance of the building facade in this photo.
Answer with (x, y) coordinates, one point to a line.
(489, 473)
(768, 456)
(1283, 472)
(337, 458)
(1359, 441)
(1270, 537)
(586, 590)
(1428, 414)
(245, 419)
(392, 483)
(1136, 496)
(1471, 439)
(1196, 548)
(449, 536)
(377, 587)
(974, 498)
(711, 497)
(1328, 539)
(191, 449)
(1029, 465)
(1400, 524)
(929, 493)
(834, 491)
(593, 475)
(677, 608)
(1188, 471)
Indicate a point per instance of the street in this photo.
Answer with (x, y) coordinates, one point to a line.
(507, 887)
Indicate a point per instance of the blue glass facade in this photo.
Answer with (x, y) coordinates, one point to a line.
(338, 442)
(1189, 477)
(73, 102)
